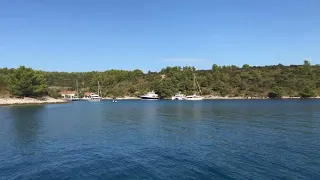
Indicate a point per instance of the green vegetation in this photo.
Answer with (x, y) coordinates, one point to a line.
(25, 82)
(276, 93)
(248, 81)
(54, 93)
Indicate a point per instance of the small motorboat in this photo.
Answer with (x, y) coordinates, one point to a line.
(178, 96)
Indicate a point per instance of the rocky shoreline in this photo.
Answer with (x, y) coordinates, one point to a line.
(29, 101)
(49, 100)
(214, 97)
(285, 97)
(246, 98)
(226, 97)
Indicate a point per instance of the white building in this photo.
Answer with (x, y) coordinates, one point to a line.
(68, 94)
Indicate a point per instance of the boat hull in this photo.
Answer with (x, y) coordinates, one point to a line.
(177, 98)
(95, 99)
(149, 98)
(194, 99)
(71, 99)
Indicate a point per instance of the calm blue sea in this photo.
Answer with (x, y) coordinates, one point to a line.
(219, 139)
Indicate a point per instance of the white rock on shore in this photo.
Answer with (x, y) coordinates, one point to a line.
(26, 100)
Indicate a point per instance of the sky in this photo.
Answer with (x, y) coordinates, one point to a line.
(97, 35)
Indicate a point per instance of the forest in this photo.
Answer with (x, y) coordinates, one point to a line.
(273, 81)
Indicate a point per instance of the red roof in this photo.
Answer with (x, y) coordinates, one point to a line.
(87, 93)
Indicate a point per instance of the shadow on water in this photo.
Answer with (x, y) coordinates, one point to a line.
(26, 124)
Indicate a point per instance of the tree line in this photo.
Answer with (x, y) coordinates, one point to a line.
(274, 81)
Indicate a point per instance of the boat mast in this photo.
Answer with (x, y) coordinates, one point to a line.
(98, 89)
(77, 89)
(199, 88)
(194, 83)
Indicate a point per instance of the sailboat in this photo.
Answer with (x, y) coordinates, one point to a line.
(95, 97)
(73, 96)
(196, 87)
(76, 98)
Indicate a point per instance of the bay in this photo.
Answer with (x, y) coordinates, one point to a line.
(134, 139)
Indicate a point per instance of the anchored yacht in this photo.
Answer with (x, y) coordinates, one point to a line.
(95, 97)
(194, 97)
(178, 96)
(150, 96)
(196, 87)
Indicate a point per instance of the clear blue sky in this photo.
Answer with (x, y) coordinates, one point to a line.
(85, 35)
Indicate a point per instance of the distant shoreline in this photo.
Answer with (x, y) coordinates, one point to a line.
(29, 101)
(49, 100)
(227, 98)
(216, 98)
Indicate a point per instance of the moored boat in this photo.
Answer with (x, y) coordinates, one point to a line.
(150, 96)
(194, 97)
(95, 97)
(178, 96)
(74, 98)
(196, 87)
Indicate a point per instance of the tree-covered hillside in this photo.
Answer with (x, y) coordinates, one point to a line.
(274, 81)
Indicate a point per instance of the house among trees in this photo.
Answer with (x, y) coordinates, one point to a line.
(68, 94)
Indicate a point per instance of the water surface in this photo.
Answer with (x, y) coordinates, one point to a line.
(221, 139)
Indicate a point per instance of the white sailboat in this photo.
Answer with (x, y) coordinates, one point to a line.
(76, 98)
(96, 97)
(196, 87)
(73, 96)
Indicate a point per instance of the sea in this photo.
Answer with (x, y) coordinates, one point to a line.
(135, 139)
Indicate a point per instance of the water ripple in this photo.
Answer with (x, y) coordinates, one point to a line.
(162, 140)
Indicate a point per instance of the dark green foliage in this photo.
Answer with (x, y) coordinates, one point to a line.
(306, 63)
(308, 91)
(245, 66)
(215, 68)
(25, 82)
(273, 81)
(273, 95)
(277, 93)
(318, 84)
(54, 93)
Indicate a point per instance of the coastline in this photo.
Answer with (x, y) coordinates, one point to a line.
(231, 98)
(260, 98)
(210, 97)
(29, 101)
(49, 100)
(122, 98)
